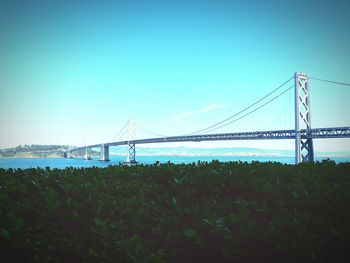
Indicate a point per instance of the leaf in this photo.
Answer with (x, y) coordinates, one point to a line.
(178, 181)
(101, 226)
(137, 250)
(189, 232)
(53, 201)
(207, 221)
(227, 229)
(34, 183)
(220, 222)
(16, 221)
(295, 195)
(4, 233)
(214, 172)
(334, 231)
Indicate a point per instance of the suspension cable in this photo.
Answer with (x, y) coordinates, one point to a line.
(142, 128)
(238, 113)
(331, 81)
(226, 124)
(119, 135)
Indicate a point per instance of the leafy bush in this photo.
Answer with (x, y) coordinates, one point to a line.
(200, 212)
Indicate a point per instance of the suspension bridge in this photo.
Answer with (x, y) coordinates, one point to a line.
(303, 134)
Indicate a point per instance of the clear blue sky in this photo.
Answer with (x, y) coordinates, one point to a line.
(73, 73)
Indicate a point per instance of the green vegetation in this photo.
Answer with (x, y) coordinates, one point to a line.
(203, 212)
(34, 150)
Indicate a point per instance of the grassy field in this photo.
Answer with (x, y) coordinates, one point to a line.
(200, 212)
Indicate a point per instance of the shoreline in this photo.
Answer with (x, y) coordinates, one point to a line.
(179, 155)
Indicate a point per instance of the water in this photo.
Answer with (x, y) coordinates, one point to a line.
(61, 163)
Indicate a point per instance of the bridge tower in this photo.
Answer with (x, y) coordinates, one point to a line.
(304, 150)
(131, 154)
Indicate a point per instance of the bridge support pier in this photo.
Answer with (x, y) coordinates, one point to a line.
(104, 153)
(87, 156)
(131, 157)
(304, 150)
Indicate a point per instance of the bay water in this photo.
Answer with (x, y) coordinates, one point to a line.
(61, 163)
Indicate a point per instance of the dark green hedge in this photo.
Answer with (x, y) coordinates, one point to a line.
(200, 212)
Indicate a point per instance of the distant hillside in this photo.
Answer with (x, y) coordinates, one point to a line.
(39, 151)
(34, 150)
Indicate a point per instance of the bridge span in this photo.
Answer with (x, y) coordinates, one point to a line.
(318, 133)
(303, 134)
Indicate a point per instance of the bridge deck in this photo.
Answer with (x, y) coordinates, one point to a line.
(319, 133)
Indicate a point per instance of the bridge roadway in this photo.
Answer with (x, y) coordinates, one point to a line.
(318, 133)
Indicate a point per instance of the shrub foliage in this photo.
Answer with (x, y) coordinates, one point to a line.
(200, 212)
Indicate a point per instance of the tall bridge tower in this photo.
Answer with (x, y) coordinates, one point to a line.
(131, 154)
(304, 150)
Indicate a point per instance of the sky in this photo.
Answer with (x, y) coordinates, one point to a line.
(73, 72)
